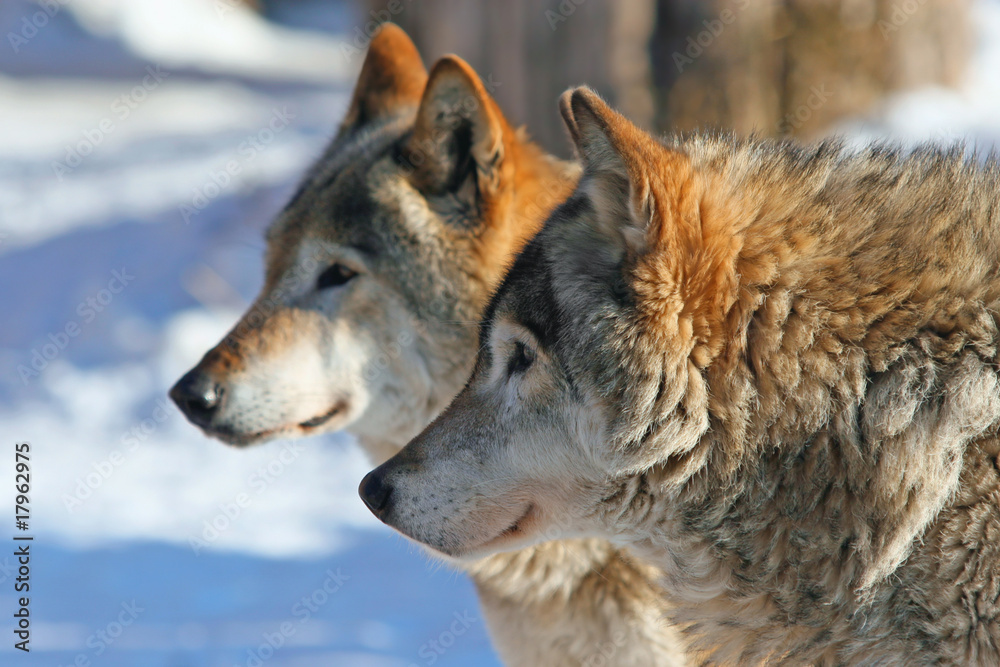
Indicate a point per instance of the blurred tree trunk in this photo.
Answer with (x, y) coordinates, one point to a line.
(796, 66)
(533, 50)
(771, 66)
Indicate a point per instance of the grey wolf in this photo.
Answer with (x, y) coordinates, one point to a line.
(768, 369)
(377, 273)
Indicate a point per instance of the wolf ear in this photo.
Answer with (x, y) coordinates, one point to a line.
(647, 196)
(566, 111)
(392, 78)
(605, 139)
(613, 152)
(458, 139)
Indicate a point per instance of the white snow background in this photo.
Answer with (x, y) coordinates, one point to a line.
(143, 482)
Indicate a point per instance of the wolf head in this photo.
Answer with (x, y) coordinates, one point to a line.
(379, 267)
(594, 344)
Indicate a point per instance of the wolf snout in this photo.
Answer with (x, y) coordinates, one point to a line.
(198, 396)
(375, 491)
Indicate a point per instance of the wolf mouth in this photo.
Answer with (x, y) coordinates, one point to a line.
(516, 526)
(238, 439)
(231, 436)
(325, 417)
(513, 530)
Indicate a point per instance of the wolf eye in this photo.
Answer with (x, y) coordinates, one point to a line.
(521, 360)
(334, 276)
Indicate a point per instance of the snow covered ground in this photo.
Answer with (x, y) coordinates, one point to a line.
(115, 224)
(105, 150)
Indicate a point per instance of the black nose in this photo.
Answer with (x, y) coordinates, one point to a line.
(375, 492)
(198, 396)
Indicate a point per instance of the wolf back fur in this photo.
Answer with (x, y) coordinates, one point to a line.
(792, 353)
(825, 322)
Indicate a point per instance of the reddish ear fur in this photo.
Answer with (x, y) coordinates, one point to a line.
(459, 127)
(392, 78)
(455, 101)
(604, 137)
(683, 239)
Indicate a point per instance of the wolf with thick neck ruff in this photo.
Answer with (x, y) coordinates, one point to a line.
(771, 370)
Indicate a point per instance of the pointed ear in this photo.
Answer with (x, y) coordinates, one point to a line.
(566, 111)
(605, 139)
(392, 79)
(458, 142)
(616, 156)
(666, 217)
